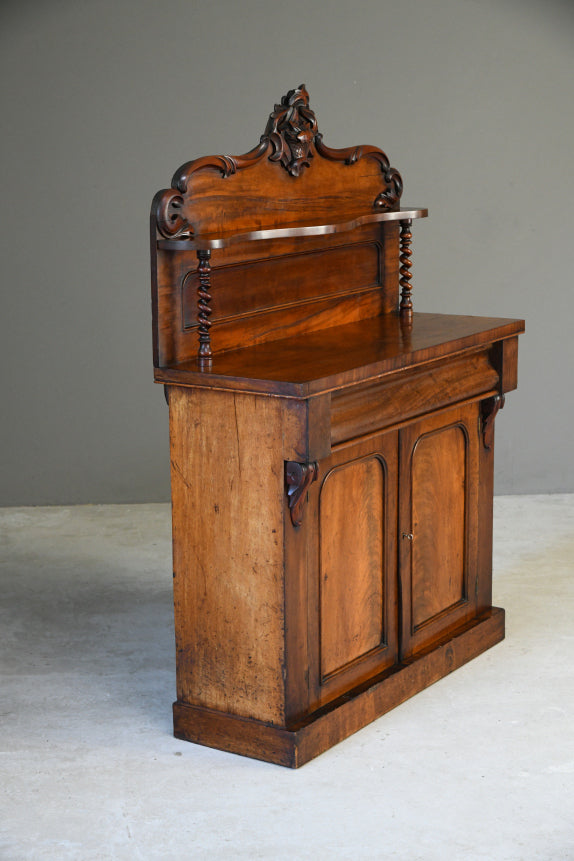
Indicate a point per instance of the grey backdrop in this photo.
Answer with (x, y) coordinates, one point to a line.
(473, 100)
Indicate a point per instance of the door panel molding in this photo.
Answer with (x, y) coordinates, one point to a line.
(438, 525)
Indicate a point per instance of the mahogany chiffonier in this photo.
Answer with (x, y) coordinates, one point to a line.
(331, 449)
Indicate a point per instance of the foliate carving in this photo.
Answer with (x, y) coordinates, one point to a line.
(489, 409)
(291, 138)
(298, 477)
(291, 129)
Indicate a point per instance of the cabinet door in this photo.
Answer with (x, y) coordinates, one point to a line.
(438, 522)
(354, 620)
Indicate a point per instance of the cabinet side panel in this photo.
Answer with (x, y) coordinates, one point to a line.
(438, 487)
(227, 496)
(351, 559)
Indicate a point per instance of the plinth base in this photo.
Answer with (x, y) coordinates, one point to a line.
(341, 718)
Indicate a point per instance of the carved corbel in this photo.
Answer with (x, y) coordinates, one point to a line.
(489, 409)
(298, 477)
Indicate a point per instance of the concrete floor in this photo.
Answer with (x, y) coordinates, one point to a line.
(479, 766)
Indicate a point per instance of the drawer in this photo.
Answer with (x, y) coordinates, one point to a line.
(394, 398)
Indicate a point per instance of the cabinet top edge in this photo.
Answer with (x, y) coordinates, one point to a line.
(341, 356)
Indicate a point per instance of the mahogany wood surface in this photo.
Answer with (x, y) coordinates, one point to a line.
(438, 524)
(352, 567)
(287, 279)
(342, 355)
(352, 563)
(265, 291)
(291, 176)
(302, 742)
(227, 503)
(295, 231)
(332, 450)
(394, 398)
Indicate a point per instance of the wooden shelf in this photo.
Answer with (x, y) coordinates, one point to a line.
(341, 355)
(207, 242)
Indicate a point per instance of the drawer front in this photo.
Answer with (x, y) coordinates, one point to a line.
(371, 407)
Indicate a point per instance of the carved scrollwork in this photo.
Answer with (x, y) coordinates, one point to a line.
(227, 165)
(489, 409)
(390, 196)
(292, 139)
(298, 477)
(166, 207)
(291, 129)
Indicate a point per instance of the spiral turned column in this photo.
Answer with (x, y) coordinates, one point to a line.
(406, 306)
(204, 306)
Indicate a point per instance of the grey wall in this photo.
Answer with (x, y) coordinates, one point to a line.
(473, 100)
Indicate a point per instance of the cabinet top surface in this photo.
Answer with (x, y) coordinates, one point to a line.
(342, 355)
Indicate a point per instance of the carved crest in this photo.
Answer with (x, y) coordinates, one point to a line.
(291, 129)
(291, 139)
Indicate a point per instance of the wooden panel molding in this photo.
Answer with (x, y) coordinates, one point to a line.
(254, 287)
(438, 524)
(438, 544)
(352, 553)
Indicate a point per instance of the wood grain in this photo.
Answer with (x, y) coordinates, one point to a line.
(331, 457)
(243, 289)
(227, 503)
(438, 525)
(352, 521)
(291, 174)
(299, 229)
(316, 363)
(352, 568)
(439, 484)
(267, 291)
(302, 741)
(366, 408)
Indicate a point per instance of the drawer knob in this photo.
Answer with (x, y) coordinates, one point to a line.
(408, 535)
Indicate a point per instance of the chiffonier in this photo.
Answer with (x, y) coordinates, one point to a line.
(331, 449)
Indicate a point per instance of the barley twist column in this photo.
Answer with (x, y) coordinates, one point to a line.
(406, 306)
(204, 307)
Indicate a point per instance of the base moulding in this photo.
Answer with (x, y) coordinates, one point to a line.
(295, 746)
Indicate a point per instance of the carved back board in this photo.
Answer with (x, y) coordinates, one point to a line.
(285, 284)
